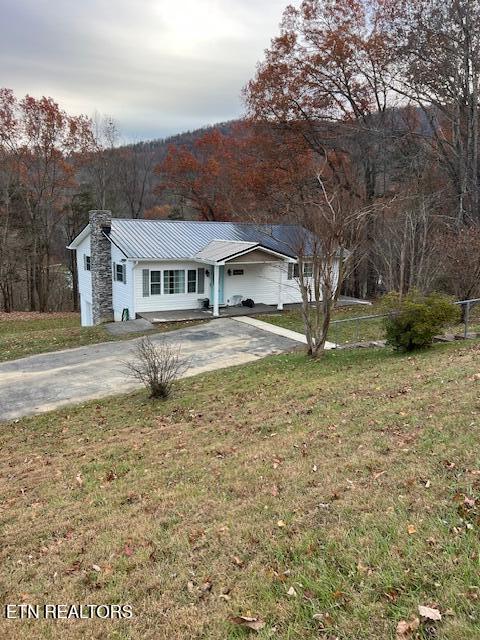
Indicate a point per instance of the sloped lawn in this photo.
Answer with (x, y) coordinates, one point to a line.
(327, 499)
(24, 334)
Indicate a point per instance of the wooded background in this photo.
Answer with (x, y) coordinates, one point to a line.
(372, 104)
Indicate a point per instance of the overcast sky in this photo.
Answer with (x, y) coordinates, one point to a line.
(157, 66)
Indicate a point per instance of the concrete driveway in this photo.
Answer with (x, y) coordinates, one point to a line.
(46, 381)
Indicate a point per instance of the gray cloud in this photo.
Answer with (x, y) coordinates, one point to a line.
(157, 66)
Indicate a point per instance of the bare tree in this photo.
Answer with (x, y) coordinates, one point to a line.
(333, 220)
(405, 244)
(102, 163)
(157, 366)
(436, 46)
(134, 179)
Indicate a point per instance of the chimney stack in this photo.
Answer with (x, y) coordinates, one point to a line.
(101, 266)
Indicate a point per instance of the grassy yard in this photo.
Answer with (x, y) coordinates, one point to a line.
(328, 499)
(28, 333)
(343, 332)
(353, 330)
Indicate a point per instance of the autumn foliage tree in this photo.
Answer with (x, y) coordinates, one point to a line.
(213, 178)
(38, 143)
(326, 76)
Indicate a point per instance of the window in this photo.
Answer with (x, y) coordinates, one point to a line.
(155, 282)
(174, 281)
(237, 272)
(120, 273)
(293, 271)
(192, 281)
(308, 270)
(87, 264)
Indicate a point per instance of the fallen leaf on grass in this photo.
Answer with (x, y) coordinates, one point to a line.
(291, 592)
(238, 561)
(281, 523)
(405, 628)
(411, 529)
(96, 568)
(428, 612)
(255, 624)
(127, 550)
(79, 479)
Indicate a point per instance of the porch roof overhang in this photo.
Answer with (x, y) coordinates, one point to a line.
(222, 251)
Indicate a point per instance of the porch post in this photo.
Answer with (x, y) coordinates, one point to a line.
(280, 287)
(216, 279)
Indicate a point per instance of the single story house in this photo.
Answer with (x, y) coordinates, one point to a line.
(128, 267)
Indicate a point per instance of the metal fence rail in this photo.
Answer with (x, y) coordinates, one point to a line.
(467, 320)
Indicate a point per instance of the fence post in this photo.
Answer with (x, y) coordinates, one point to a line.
(466, 319)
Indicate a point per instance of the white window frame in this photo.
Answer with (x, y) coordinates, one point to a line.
(174, 293)
(159, 282)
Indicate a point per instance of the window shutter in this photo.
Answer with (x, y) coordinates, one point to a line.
(85, 261)
(124, 268)
(290, 271)
(146, 282)
(201, 280)
(114, 266)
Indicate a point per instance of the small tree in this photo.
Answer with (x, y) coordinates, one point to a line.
(157, 366)
(415, 319)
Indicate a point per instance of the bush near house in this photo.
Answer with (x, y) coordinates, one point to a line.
(415, 319)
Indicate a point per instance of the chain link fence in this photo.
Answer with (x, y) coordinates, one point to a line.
(370, 328)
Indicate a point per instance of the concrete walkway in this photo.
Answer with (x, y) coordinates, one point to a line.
(47, 381)
(279, 331)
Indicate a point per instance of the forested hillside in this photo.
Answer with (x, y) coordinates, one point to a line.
(361, 123)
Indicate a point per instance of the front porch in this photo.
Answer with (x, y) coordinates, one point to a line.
(181, 315)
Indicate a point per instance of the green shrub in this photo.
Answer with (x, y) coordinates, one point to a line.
(415, 319)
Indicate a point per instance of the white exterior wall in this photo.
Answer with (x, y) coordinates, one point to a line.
(84, 283)
(260, 283)
(169, 301)
(122, 292)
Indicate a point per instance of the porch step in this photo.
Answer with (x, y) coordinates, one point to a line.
(279, 331)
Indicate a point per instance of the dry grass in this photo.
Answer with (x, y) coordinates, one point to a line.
(285, 473)
(25, 333)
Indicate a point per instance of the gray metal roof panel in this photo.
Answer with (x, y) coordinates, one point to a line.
(176, 240)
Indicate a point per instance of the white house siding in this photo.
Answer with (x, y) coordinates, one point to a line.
(84, 282)
(122, 292)
(170, 301)
(258, 282)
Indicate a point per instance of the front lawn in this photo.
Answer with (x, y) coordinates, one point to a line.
(24, 334)
(341, 332)
(327, 499)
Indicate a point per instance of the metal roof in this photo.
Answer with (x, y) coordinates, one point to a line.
(176, 240)
(218, 250)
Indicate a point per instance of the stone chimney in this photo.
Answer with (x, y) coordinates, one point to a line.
(101, 266)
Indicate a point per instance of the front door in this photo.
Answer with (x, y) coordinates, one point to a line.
(221, 274)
